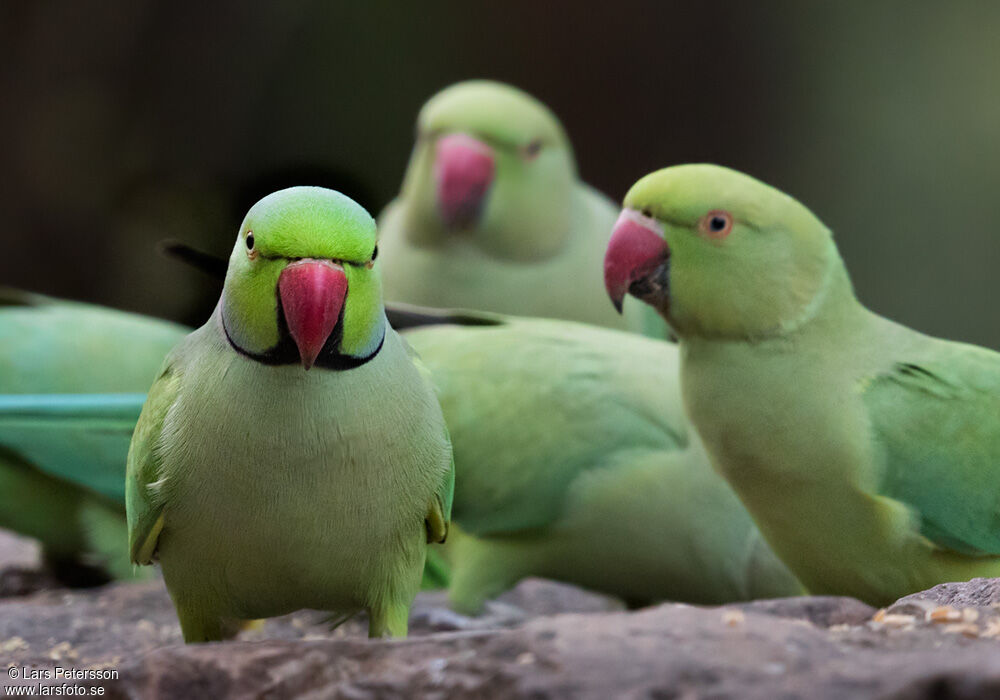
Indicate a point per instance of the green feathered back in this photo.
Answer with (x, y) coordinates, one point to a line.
(49, 346)
(55, 357)
(591, 413)
(82, 438)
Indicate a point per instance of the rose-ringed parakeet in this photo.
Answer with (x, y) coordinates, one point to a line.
(492, 215)
(575, 461)
(71, 377)
(262, 487)
(868, 453)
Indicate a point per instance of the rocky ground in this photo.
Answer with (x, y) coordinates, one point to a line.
(542, 640)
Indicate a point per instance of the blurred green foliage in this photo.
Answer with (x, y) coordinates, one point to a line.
(129, 121)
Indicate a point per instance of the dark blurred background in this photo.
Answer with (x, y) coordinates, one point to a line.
(125, 122)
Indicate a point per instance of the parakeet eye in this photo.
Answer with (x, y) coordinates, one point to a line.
(371, 262)
(374, 253)
(249, 241)
(716, 224)
(532, 149)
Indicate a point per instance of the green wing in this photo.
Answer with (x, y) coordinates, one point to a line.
(70, 381)
(58, 347)
(935, 421)
(439, 509)
(80, 438)
(533, 406)
(446, 490)
(144, 473)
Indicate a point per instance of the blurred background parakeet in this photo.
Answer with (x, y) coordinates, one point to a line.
(71, 378)
(262, 487)
(574, 461)
(868, 453)
(493, 216)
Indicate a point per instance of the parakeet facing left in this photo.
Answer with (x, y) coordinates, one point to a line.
(493, 216)
(263, 488)
(868, 453)
(72, 377)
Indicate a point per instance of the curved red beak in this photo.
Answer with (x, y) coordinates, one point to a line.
(464, 169)
(636, 249)
(312, 294)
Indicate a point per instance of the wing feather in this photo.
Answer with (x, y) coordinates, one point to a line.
(936, 421)
(534, 405)
(144, 472)
(80, 438)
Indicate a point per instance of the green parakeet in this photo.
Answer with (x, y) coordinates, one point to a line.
(62, 457)
(263, 488)
(868, 453)
(492, 215)
(575, 461)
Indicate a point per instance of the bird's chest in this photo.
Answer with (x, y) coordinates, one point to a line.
(784, 437)
(290, 476)
(791, 436)
(262, 433)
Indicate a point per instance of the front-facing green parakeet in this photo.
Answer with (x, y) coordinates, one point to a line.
(493, 216)
(574, 461)
(263, 488)
(868, 453)
(71, 376)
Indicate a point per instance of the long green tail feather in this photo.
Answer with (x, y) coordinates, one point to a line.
(82, 438)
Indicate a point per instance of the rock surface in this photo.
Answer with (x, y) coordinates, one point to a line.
(116, 624)
(977, 592)
(671, 651)
(541, 640)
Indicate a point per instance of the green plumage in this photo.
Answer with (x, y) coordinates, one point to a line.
(263, 488)
(61, 457)
(868, 453)
(536, 247)
(575, 462)
(572, 447)
(931, 419)
(63, 347)
(60, 432)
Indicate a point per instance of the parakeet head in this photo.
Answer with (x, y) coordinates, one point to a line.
(302, 285)
(491, 166)
(718, 253)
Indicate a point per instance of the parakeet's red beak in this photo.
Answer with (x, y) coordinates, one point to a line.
(636, 249)
(312, 294)
(463, 169)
